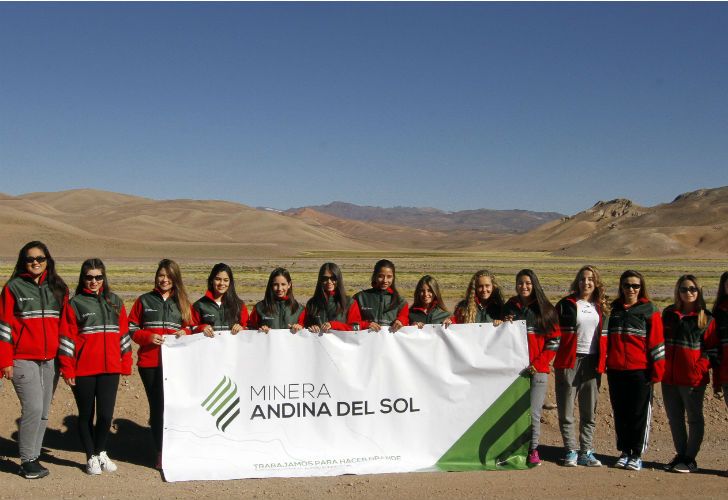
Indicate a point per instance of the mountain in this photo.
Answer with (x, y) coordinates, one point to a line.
(492, 221)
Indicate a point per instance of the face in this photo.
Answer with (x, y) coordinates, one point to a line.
(328, 281)
(587, 284)
(280, 286)
(35, 261)
(524, 287)
(220, 283)
(425, 294)
(484, 288)
(164, 281)
(688, 291)
(631, 289)
(93, 280)
(384, 278)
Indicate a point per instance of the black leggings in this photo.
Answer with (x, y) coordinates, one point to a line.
(152, 380)
(95, 394)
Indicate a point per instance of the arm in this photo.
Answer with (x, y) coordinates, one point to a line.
(353, 319)
(8, 325)
(125, 341)
(67, 346)
(254, 320)
(551, 345)
(139, 335)
(656, 347)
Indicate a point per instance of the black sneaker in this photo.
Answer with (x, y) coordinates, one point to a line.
(44, 469)
(32, 470)
(676, 460)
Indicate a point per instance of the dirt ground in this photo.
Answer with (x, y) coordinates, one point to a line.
(130, 446)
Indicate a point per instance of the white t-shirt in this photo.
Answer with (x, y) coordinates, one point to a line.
(587, 322)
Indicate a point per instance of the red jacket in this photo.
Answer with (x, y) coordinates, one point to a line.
(207, 312)
(635, 340)
(566, 355)
(542, 346)
(31, 320)
(353, 317)
(96, 340)
(716, 339)
(686, 362)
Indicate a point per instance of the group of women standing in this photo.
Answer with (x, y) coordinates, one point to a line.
(583, 335)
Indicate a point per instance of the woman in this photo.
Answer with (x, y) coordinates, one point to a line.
(580, 362)
(686, 371)
(220, 309)
(542, 323)
(483, 302)
(381, 304)
(32, 304)
(330, 308)
(428, 308)
(94, 350)
(164, 311)
(279, 308)
(635, 361)
(716, 338)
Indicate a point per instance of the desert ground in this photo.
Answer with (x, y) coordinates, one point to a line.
(130, 444)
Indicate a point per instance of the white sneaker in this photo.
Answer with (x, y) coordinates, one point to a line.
(106, 463)
(93, 467)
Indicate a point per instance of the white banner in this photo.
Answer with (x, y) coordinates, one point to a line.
(279, 404)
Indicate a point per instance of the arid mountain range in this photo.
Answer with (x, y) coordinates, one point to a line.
(85, 222)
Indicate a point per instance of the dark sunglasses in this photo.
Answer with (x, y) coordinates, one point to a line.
(633, 286)
(40, 259)
(94, 277)
(686, 289)
(324, 279)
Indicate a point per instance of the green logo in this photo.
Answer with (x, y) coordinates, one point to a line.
(223, 400)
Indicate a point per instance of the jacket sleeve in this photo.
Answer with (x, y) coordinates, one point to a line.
(656, 347)
(551, 345)
(67, 345)
(139, 335)
(302, 317)
(254, 320)
(8, 325)
(403, 315)
(197, 320)
(243, 320)
(125, 342)
(711, 346)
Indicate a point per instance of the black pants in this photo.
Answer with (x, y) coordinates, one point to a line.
(95, 394)
(153, 386)
(631, 395)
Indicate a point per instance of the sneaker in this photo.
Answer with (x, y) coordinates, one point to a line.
(570, 458)
(622, 461)
(634, 463)
(675, 460)
(106, 463)
(588, 459)
(32, 470)
(93, 467)
(686, 466)
(533, 458)
(41, 466)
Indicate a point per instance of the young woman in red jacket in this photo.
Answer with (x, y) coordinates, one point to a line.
(330, 308)
(542, 323)
(716, 339)
(635, 361)
(428, 308)
(166, 310)
(483, 302)
(32, 305)
(580, 362)
(94, 351)
(686, 371)
(220, 309)
(381, 305)
(279, 309)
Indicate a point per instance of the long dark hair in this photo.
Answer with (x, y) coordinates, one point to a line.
(395, 294)
(230, 300)
(721, 295)
(105, 292)
(317, 303)
(630, 273)
(269, 301)
(180, 293)
(547, 319)
(436, 295)
(56, 284)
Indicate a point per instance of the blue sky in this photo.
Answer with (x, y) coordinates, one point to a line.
(456, 106)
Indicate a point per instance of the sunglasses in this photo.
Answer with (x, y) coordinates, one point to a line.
(324, 279)
(94, 277)
(633, 286)
(40, 259)
(686, 289)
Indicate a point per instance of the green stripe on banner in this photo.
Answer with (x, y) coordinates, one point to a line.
(499, 439)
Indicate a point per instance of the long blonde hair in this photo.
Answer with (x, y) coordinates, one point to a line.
(700, 301)
(180, 293)
(599, 296)
(470, 311)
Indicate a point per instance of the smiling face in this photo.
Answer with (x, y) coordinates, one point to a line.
(524, 287)
(36, 261)
(220, 284)
(484, 288)
(689, 293)
(631, 289)
(94, 280)
(328, 282)
(426, 295)
(384, 278)
(587, 284)
(163, 281)
(280, 287)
